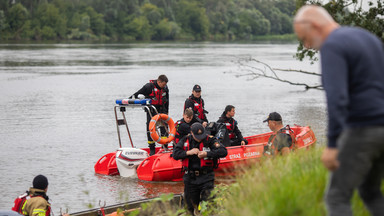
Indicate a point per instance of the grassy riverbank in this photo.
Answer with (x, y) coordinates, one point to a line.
(292, 185)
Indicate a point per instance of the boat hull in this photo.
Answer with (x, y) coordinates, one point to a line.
(162, 167)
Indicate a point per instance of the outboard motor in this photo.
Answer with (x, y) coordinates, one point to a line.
(128, 159)
(219, 130)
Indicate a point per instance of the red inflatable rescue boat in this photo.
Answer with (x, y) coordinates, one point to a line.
(162, 167)
(129, 162)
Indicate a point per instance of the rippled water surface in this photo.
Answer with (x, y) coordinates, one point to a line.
(56, 108)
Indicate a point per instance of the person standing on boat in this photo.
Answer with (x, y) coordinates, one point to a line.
(183, 126)
(352, 62)
(157, 91)
(196, 103)
(280, 141)
(199, 154)
(235, 136)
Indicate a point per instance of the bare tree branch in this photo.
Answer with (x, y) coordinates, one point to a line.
(267, 71)
(298, 71)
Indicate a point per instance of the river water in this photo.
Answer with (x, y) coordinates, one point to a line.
(56, 108)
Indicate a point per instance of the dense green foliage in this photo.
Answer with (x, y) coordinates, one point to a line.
(122, 20)
(350, 13)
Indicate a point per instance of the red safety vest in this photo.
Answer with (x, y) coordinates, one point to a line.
(230, 127)
(204, 162)
(156, 94)
(20, 202)
(198, 107)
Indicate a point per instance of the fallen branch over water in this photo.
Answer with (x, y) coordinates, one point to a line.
(255, 69)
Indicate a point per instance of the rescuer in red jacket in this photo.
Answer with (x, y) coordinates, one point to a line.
(157, 91)
(235, 136)
(199, 154)
(196, 103)
(183, 126)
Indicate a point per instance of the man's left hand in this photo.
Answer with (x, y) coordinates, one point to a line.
(329, 158)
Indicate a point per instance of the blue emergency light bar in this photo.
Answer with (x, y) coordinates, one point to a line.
(133, 101)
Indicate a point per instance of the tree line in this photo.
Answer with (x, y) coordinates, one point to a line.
(131, 20)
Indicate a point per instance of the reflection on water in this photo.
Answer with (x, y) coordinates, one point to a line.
(56, 109)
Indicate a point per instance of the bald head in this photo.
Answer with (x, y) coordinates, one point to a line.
(312, 13)
(312, 25)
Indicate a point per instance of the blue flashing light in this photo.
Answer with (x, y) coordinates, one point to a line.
(133, 101)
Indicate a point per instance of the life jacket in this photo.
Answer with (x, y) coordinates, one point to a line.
(21, 201)
(204, 162)
(157, 94)
(231, 127)
(271, 149)
(198, 108)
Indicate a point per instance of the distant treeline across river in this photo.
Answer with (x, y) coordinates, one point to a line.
(135, 20)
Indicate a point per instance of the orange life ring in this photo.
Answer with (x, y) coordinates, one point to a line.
(171, 125)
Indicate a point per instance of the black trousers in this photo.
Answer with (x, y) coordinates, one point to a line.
(361, 157)
(195, 193)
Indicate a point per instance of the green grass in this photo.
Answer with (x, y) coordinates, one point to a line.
(290, 185)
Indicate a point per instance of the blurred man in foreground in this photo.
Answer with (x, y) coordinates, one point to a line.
(352, 61)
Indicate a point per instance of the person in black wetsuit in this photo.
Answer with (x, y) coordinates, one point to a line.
(199, 154)
(196, 103)
(235, 136)
(157, 91)
(183, 126)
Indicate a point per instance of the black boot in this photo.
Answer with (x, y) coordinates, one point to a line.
(152, 149)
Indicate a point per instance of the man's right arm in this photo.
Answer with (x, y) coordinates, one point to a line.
(334, 68)
(335, 82)
(179, 152)
(146, 90)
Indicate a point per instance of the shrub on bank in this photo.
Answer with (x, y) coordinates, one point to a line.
(291, 185)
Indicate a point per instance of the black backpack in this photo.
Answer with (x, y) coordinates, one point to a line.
(220, 132)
